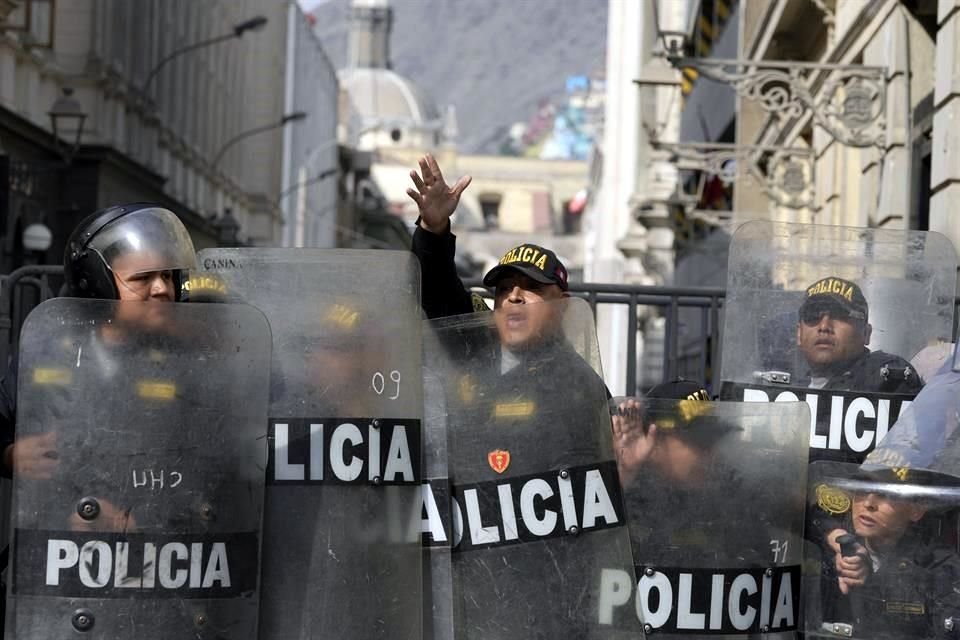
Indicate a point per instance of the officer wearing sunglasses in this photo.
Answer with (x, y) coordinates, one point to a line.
(832, 335)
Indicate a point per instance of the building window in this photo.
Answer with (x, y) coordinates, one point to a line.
(921, 134)
(34, 19)
(490, 207)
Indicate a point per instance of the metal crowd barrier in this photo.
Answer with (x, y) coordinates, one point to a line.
(691, 336)
(693, 354)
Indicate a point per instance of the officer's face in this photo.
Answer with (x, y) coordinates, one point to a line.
(137, 278)
(828, 336)
(526, 311)
(881, 520)
(136, 283)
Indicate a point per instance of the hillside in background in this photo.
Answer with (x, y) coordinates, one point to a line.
(496, 61)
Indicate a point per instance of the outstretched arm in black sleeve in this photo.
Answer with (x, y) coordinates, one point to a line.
(434, 245)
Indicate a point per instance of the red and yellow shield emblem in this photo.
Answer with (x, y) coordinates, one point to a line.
(499, 460)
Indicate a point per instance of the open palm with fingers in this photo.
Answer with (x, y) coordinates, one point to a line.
(436, 200)
(632, 443)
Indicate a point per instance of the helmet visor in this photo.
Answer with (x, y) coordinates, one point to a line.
(151, 239)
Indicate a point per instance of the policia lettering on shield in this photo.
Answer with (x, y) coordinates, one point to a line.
(833, 331)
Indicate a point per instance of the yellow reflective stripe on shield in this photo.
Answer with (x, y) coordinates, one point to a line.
(56, 376)
(156, 390)
(514, 409)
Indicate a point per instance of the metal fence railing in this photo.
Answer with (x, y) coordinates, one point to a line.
(20, 292)
(691, 318)
(693, 353)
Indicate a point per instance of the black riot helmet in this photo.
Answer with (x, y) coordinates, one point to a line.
(148, 232)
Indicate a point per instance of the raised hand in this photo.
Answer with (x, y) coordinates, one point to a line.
(436, 200)
(631, 444)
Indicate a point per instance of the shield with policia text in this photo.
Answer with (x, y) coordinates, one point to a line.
(341, 551)
(839, 317)
(138, 471)
(714, 495)
(885, 563)
(536, 515)
(436, 510)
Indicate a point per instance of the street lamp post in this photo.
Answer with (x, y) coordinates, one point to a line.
(296, 116)
(320, 177)
(66, 119)
(253, 24)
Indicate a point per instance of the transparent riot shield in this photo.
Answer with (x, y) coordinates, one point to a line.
(341, 551)
(537, 516)
(884, 564)
(833, 316)
(714, 494)
(138, 471)
(436, 530)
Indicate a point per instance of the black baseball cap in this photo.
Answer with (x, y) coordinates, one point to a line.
(533, 261)
(677, 404)
(679, 389)
(836, 295)
(683, 408)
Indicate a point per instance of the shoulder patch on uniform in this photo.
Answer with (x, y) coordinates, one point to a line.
(832, 500)
(479, 304)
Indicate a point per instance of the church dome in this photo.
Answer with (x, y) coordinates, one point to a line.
(385, 96)
(388, 110)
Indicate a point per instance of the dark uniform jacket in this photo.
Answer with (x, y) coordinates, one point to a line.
(550, 393)
(875, 372)
(712, 524)
(910, 596)
(548, 413)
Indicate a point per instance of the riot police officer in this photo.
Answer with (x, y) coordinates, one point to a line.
(137, 252)
(833, 331)
(885, 574)
(128, 252)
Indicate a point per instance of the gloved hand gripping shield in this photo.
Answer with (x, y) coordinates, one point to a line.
(886, 552)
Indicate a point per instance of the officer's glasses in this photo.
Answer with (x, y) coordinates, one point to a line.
(812, 315)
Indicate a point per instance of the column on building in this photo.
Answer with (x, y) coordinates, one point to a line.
(945, 170)
(609, 217)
